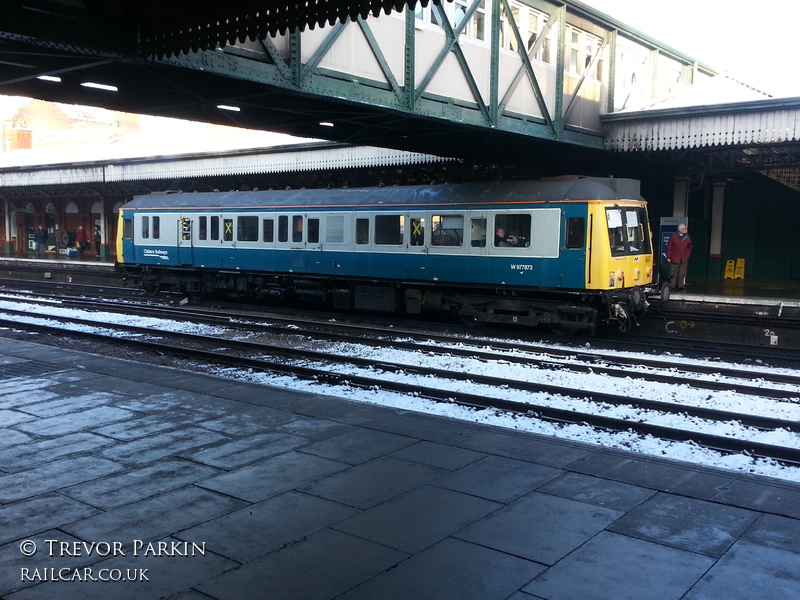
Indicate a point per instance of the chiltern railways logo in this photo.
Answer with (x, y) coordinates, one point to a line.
(151, 253)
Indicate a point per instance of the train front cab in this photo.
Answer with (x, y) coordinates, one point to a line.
(620, 255)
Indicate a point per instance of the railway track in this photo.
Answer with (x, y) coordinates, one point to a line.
(747, 432)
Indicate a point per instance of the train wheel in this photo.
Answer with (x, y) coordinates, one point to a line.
(665, 292)
(151, 289)
(470, 319)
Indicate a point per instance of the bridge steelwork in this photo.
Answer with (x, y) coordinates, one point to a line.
(507, 80)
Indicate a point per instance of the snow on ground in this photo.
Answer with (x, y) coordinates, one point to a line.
(680, 391)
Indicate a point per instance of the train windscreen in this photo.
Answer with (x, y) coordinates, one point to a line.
(628, 231)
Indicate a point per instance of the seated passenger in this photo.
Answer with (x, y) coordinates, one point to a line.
(501, 239)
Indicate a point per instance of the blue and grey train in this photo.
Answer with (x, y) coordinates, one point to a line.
(567, 252)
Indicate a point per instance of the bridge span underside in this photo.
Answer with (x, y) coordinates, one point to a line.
(504, 80)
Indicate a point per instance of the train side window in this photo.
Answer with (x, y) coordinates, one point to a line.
(268, 226)
(283, 228)
(576, 232)
(512, 231)
(202, 228)
(156, 228)
(214, 228)
(297, 228)
(417, 234)
(247, 229)
(389, 229)
(334, 229)
(227, 230)
(145, 227)
(127, 228)
(477, 236)
(313, 231)
(362, 231)
(448, 230)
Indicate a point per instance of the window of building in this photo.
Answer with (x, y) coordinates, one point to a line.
(447, 230)
(247, 229)
(389, 229)
(268, 230)
(530, 24)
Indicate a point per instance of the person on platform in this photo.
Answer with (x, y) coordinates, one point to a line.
(40, 238)
(679, 249)
(81, 241)
(98, 239)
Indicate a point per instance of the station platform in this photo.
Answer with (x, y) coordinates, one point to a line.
(174, 484)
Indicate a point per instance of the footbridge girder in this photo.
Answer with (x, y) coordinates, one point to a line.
(467, 78)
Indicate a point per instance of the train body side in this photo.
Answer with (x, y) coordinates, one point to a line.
(558, 238)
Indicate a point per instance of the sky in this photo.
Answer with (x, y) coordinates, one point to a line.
(753, 42)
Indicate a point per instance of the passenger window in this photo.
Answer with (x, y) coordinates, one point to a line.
(227, 232)
(362, 231)
(389, 229)
(145, 227)
(283, 229)
(214, 228)
(202, 229)
(477, 235)
(127, 228)
(186, 229)
(297, 228)
(448, 230)
(512, 231)
(156, 228)
(417, 232)
(313, 231)
(247, 229)
(269, 230)
(576, 232)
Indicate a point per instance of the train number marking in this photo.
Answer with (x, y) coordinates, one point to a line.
(674, 326)
(521, 267)
(773, 337)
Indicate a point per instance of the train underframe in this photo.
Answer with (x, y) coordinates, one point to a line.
(563, 310)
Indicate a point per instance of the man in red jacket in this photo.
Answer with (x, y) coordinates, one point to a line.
(679, 249)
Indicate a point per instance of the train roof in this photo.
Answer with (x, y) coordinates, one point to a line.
(457, 194)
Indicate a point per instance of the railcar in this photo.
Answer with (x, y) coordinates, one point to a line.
(568, 252)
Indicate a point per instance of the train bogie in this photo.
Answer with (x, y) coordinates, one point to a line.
(563, 253)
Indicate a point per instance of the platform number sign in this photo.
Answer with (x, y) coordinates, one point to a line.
(186, 229)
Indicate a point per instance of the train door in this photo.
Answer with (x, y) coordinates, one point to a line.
(185, 242)
(574, 252)
(417, 263)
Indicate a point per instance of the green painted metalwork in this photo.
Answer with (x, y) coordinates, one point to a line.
(561, 13)
(409, 63)
(378, 53)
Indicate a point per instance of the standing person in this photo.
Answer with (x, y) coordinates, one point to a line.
(679, 249)
(40, 238)
(81, 240)
(98, 239)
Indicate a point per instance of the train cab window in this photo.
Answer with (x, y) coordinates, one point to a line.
(247, 229)
(283, 228)
(313, 231)
(576, 232)
(156, 228)
(297, 228)
(477, 235)
(145, 227)
(628, 232)
(362, 231)
(214, 233)
(389, 229)
(512, 231)
(227, 230)
(448, 230)
(417, 233)
(268, 227)
(202, 228)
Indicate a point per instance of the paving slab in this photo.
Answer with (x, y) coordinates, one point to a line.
(291, 495)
